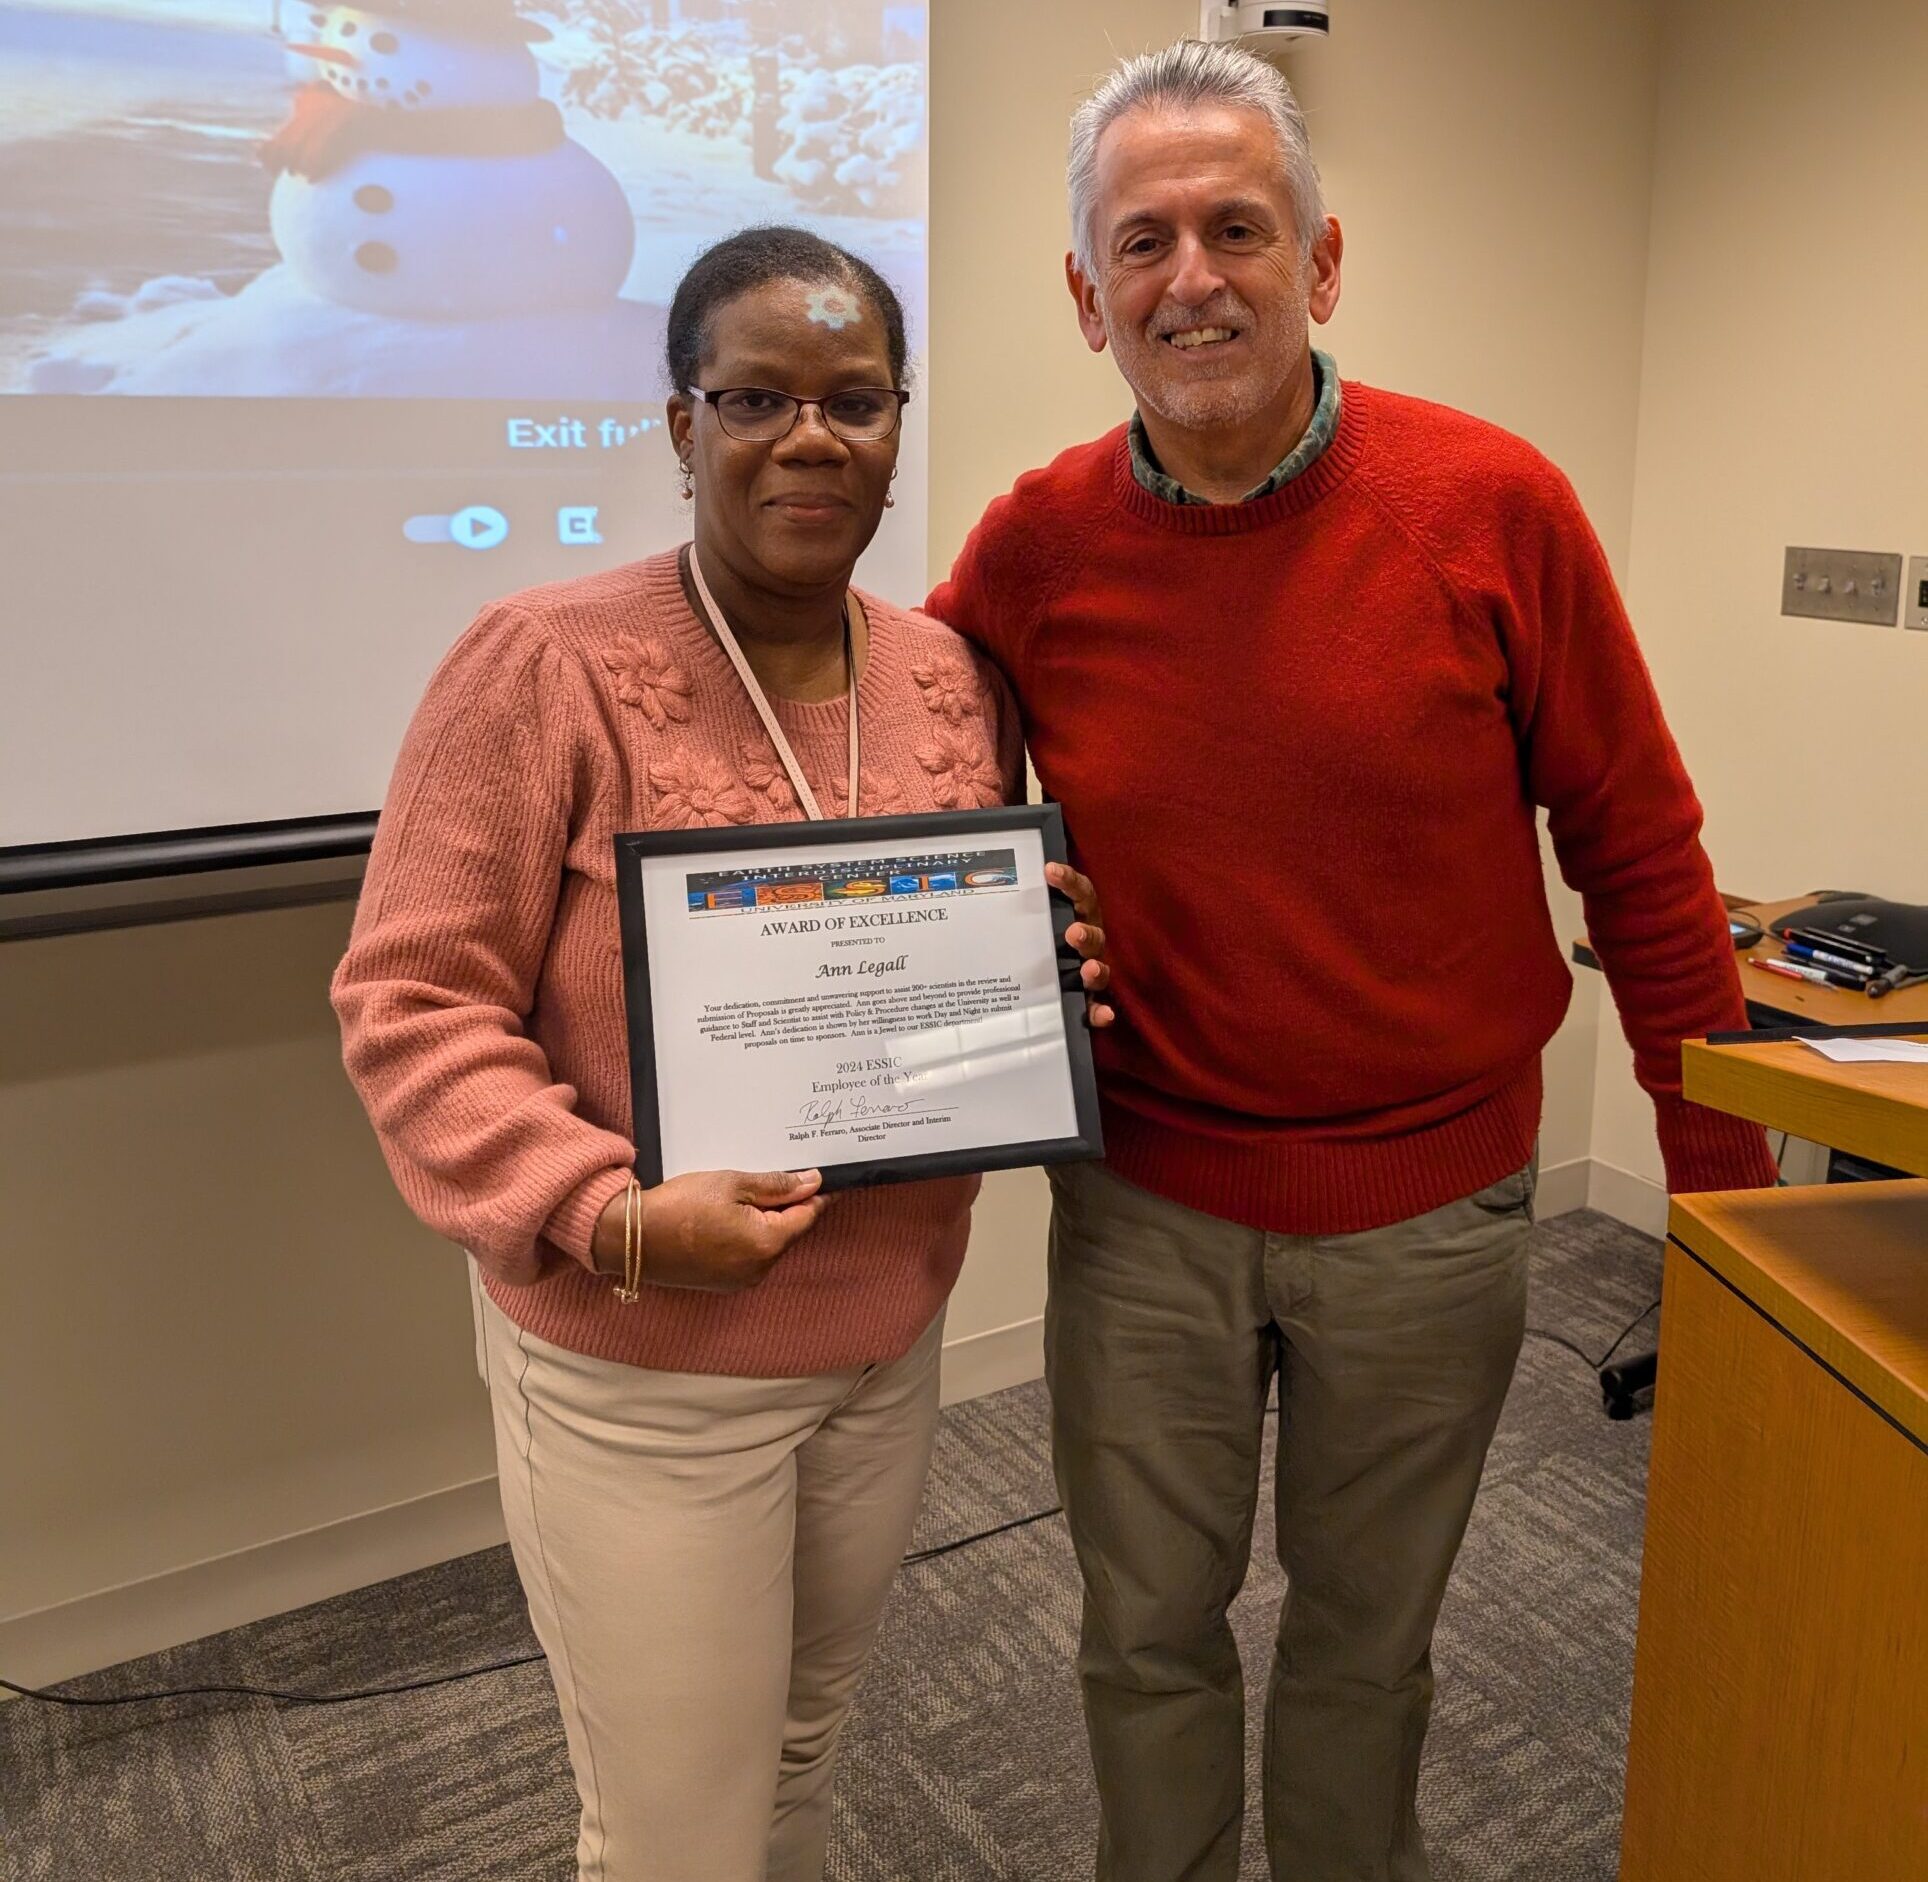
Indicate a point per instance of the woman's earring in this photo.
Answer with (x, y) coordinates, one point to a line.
(890, 502)
(689, 481)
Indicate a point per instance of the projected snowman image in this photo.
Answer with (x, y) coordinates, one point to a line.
(422, 175)
(422, 199)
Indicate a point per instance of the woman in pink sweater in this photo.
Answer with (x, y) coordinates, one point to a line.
(707, 1489)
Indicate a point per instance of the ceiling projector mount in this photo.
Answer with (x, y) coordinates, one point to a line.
(1273, 27)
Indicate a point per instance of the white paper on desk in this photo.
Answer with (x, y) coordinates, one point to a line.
(1865, 1051)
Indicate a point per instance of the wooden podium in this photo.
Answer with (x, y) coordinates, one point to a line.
(1780, 1705)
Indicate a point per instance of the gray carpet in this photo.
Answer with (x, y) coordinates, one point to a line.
(964, 1761)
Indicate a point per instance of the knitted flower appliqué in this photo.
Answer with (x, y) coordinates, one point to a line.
(693, 791)
(647, 678)
(766, 777)
(950, 690)
(881, 795)
(964, 776)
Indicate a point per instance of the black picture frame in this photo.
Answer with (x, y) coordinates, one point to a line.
(954, 828)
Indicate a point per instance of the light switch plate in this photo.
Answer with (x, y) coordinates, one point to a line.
(1842, 585)
(1914, 602)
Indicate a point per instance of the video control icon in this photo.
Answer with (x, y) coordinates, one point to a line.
(479, 526)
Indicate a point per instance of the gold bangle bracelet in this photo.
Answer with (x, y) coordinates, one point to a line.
(631, 1289)
(634, 1275)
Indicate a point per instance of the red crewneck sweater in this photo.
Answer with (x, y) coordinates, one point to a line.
(1299, 743)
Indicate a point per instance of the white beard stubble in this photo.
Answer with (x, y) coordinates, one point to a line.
(1161, 384)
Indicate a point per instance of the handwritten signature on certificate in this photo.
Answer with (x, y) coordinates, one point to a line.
(856, 1105)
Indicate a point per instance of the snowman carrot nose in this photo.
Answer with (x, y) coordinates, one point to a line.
(329, 55)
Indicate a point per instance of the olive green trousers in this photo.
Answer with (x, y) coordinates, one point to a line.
(1392, 1349)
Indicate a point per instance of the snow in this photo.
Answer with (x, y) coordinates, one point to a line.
(182, 338)
(242, 16)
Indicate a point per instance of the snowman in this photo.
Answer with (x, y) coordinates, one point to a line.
(423, 174)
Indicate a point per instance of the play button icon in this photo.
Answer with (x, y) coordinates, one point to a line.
(478, 527)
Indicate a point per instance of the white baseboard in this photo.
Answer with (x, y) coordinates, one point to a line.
(142, 1617)
(1637, 1201)
(988, 1362)
(1562, 1188)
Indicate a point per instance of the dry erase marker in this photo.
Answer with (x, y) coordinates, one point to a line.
(1820, 976)
(1807, 951)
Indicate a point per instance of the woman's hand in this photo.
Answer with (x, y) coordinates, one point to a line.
(722, 1230)
(1087, 935)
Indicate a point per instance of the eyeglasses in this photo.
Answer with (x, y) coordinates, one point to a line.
(756, 415)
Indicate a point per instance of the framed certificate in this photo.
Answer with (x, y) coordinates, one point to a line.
(880, 998)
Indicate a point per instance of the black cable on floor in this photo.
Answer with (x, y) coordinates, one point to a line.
(983, 1535)
(530, 1659)
(269, 1692)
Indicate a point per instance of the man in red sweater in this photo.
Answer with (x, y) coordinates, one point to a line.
(1300, 660)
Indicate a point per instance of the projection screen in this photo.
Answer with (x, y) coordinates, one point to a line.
(320, 326)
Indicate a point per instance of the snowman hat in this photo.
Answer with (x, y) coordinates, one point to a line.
(474, 19)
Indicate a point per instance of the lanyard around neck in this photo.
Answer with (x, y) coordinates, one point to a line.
(721, 628)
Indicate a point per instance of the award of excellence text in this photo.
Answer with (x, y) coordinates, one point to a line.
(830, 924)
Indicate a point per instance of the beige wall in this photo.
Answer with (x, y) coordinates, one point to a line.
(1784, 401)
(223, 1330)
(221, 1326)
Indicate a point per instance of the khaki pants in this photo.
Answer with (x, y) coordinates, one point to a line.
(706, 1561)
(1393, 1350)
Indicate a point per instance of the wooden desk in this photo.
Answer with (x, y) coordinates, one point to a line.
(1875, 1111)
(1774, 1000)
(1780, 1710)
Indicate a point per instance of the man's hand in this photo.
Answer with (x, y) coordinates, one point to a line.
(720, 1230)
(1087, 935)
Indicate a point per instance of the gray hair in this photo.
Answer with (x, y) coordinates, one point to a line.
(1184, 75)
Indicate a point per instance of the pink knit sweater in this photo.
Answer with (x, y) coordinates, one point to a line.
(481, 997)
